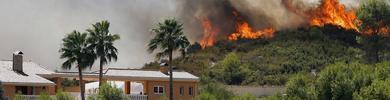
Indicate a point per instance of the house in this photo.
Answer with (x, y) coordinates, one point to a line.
(32, 79)
(155, 83)
(19, 76)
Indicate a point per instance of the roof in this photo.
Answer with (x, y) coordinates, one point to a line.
(8, 76)
(131, 74)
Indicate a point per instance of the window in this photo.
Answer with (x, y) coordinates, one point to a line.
(24, 90)
(158, 89)
(181, 91)
(190, 91)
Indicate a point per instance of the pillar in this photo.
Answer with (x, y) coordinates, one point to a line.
(127, 87)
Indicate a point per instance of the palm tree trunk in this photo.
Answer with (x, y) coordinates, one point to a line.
(170, 76)
(81, 83)
(101, 72)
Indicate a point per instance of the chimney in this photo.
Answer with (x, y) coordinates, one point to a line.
(17, 62)
(164, 68)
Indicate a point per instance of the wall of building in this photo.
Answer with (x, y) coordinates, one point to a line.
(10, 90)
(176, 87)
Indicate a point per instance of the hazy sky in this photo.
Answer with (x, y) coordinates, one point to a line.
(36, 27)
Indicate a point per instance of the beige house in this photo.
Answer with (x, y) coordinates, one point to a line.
(23, 77)
(155, 83)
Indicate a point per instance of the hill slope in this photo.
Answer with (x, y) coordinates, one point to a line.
(272, 61)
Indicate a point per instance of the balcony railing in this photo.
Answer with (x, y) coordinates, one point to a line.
(137, 97)
(129, 96)
(31, 97)
(76, 95)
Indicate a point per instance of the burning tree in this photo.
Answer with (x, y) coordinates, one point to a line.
(375, 26)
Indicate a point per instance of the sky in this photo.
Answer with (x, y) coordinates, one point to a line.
(36, 27)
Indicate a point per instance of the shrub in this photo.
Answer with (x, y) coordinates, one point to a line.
(214, 91)
(44, 96)
(207, 96)
(231, 69)
(301, 86)
(108, 92)
(245, 97)
(343, 81)
(378, 90)
(64, 96)
(340, 80)
(18, 96)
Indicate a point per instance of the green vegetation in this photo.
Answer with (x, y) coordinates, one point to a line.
(75, 50)
(69, 83)
(64, 96)
(374, 16)
(18, 96)
(273, 61)
(214, 91)
(82, 49)
(101, 40)
(108, 92)
(342, 81)
(169, 37)
(44, 96)
(268, 62)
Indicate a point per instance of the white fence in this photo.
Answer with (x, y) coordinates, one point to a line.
(129, 96)
(137, 97)
(31, 97)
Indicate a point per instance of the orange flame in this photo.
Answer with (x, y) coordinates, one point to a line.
(244, 31)
(210, 33)
(384, 31)
(333, 12)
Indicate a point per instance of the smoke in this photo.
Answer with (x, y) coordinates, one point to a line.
(37, 27)
(279, 14)
(219, 12)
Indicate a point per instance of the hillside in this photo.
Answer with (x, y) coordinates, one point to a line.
(272, 61)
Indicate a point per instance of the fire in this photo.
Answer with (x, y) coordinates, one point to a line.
(243, 30)
(384, 31)
(333, 12)
(210, 33)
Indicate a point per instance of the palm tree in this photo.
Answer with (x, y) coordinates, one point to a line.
(169, 37)
(101, 41)
(76, 52)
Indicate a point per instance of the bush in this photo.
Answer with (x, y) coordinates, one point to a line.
(207, 96)
(214, 91)
(18, 96)
(108, 92)
(44, 96)
(301, 86)
(245, 97)
(378, 90)
(340, 80)
(64, 96)
(343, 81)
(382, 70)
